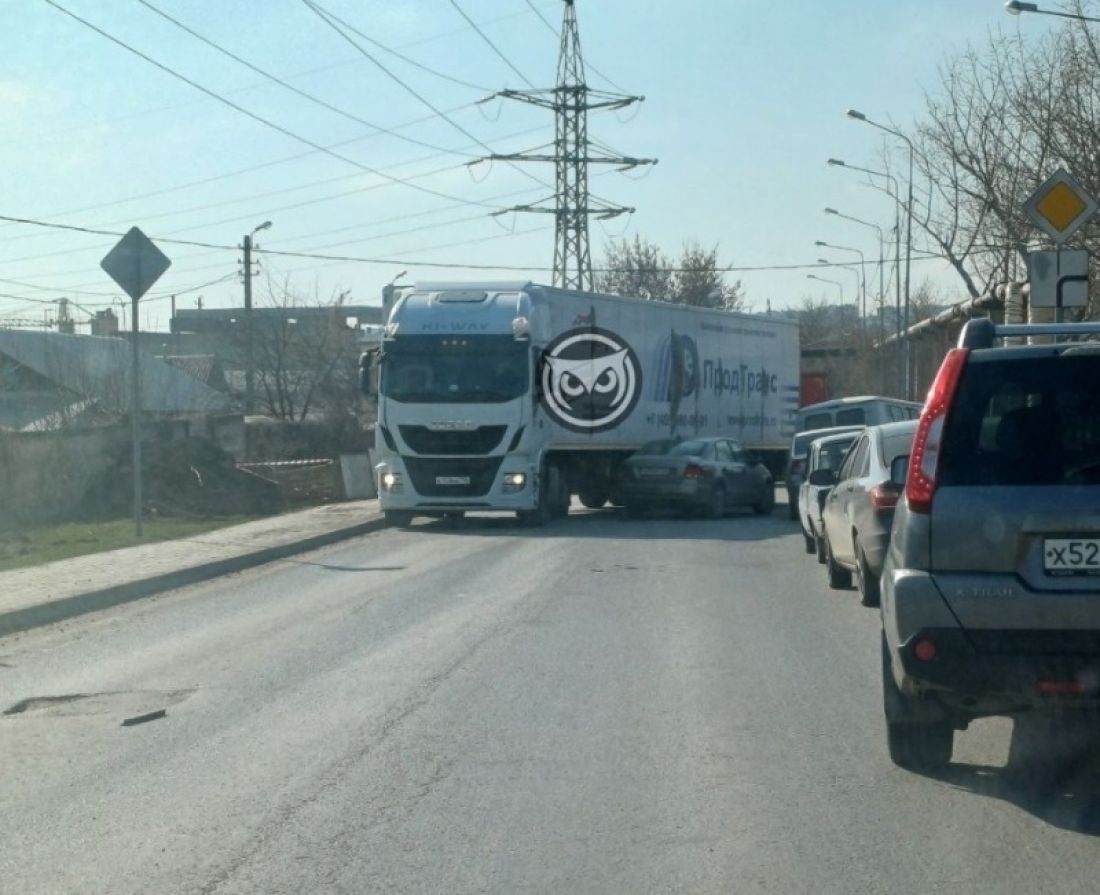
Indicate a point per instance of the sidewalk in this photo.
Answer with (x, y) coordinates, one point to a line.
(40, 595)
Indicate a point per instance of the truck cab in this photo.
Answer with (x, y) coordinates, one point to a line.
(456, 402)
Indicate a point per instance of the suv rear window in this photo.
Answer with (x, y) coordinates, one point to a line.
(1033, 421)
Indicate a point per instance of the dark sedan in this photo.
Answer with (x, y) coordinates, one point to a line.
(708, 475)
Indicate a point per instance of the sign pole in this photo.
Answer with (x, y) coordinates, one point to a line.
(135, 414)
(135, 263)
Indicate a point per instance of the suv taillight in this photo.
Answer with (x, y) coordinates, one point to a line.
(920, 485)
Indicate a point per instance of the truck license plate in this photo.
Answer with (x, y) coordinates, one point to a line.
(1071, 556)
(452, 480)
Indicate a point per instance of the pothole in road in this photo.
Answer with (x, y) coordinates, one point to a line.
(123, 703)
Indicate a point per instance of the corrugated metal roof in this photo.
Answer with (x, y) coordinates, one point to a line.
(98, 368)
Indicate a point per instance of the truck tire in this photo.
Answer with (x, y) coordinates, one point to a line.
(593, 499)
(549, 500)
(398, 518)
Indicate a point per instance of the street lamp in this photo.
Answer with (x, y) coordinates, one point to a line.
(249, 365)
(851, 268)
(839, 163)
(862, 269)
(856, 115)
(837, 283)
(1015, 7)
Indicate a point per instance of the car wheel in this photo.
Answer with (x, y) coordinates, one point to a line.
(630, 511)
(717, 506)
(866, 582)
(913, 745)
(838, 578)
(398, 518)
(819, 545)
(766, 505)
(811, 544)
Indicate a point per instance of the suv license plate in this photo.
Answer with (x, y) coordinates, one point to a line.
(452, 480)
(1071, 556)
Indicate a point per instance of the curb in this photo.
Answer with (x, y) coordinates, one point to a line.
(93, 601)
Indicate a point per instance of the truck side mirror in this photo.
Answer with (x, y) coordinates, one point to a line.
(899, 470)
(366, 381)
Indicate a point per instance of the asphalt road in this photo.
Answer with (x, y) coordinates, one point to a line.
(603, 706)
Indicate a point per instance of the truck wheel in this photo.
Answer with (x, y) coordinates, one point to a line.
(593, 499)
(398, 518)
(766, 505)
(838, 578)
(866, 582)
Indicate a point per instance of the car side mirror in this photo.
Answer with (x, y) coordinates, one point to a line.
(822, 478)
(899, 470)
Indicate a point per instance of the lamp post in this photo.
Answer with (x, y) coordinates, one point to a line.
(837, 283)
(896, 196)
(860, 283)
(1015, 7)
(249, 366)
(851, 268)
(881, 259)
(856, 115)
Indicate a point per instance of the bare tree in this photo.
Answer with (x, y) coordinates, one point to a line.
(641, 269)
(304, 363)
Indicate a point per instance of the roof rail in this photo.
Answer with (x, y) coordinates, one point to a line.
(982, 332)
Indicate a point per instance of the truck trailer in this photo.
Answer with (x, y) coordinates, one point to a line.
(513, 397)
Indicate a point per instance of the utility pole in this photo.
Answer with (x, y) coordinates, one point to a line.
(571, 100)
(249, 361)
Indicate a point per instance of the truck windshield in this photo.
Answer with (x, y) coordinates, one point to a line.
(449, 370)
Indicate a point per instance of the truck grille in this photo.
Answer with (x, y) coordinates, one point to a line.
(481, 471)
(482, 440)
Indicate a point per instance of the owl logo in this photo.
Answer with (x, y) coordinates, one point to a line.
(590, 380)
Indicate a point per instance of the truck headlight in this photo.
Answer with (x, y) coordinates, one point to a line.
(391, 482)
(514, 481)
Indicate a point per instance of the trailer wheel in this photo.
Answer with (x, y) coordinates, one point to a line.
(593, 499)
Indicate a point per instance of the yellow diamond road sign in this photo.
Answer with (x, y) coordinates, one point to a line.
(1061, 206)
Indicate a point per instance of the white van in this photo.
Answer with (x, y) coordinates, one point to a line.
(866, 410)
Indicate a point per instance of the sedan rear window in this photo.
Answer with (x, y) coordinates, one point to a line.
(1025, 422)
(689, 449)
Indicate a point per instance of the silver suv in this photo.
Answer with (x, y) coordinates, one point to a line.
(991, 587)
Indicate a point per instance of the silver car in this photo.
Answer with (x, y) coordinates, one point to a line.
(991, 589)
(825, 453)
(859, 509)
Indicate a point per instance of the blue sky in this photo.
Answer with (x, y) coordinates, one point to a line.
(744, 103)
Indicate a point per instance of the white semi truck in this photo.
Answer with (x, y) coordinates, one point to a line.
(514, 396)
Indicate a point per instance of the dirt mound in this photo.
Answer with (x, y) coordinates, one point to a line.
(187, 477)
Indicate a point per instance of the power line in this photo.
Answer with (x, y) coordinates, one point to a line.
(288, 86)
(252, 168)
(730, 268)
(492, 46)
(335, 23)
(258, 118)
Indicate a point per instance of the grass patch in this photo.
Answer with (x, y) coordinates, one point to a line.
(41, 545)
